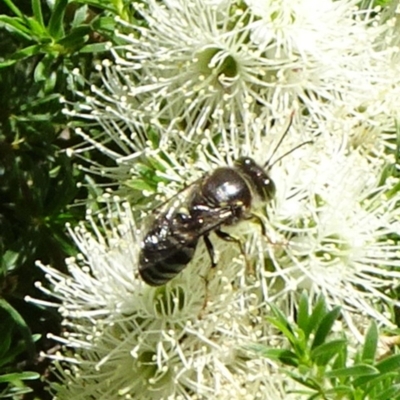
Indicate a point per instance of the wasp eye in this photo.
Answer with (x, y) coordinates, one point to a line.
(269, 189)
(244, 161)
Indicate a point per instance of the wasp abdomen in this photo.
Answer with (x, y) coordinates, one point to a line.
(157, 273)
(167, 249)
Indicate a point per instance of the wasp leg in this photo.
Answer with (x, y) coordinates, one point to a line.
(272, 242)
(206, 296)
(229, 238)
(210, 249)
(261, 223)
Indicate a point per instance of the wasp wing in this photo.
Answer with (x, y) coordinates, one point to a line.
(172, 232)
(170, 245)
(169, 206)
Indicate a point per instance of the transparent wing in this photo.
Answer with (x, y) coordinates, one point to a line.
(170, 233)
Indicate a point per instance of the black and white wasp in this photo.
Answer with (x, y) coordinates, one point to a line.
(223, 197)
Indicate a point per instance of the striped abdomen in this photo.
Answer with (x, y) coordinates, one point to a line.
(166, 250)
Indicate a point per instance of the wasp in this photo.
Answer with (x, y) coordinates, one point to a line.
(223, 197)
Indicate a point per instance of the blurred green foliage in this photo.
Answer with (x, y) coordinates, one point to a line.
(40, 44)
(16, 339)
(322, 362)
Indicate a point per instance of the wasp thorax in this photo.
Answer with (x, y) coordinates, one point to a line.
(257, 177)
(225, 187)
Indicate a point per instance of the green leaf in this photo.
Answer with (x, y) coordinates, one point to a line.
(317, 314)
(80, 16)
(23, 327)
(376, 382)
(285, 356)
(356, 370)
(10, 259)
(302, 313)
(154, 137)
(157, 164)
(12, 354)
(389, 394)
(397, 155)
(371, 343)
(281, 322)
(76, 38)
(341, 360)
(26, 52)
(141, 184)
(103, 5)
(325, 352)
(20, 55)
(17, 26)
(37, 29)
(340, 392)
(37, 12)
(393, 191)
(42, 70)
(5, 342)
(4, 64)
(13, 8)
(389, 364)
(94, 48)
(104, 24)
(42, 101)
(310, 383)
(325, 327)
(19, 376)
(16, 392)
(55, 27)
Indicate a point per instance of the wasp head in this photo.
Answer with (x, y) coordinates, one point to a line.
(259, 180)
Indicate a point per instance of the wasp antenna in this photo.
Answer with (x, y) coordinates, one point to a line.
(290, 151)
(267, 164)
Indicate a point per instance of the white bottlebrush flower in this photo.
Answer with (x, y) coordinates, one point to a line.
(200, 64)
(342, 240)
(125, 339)
(196, 65)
